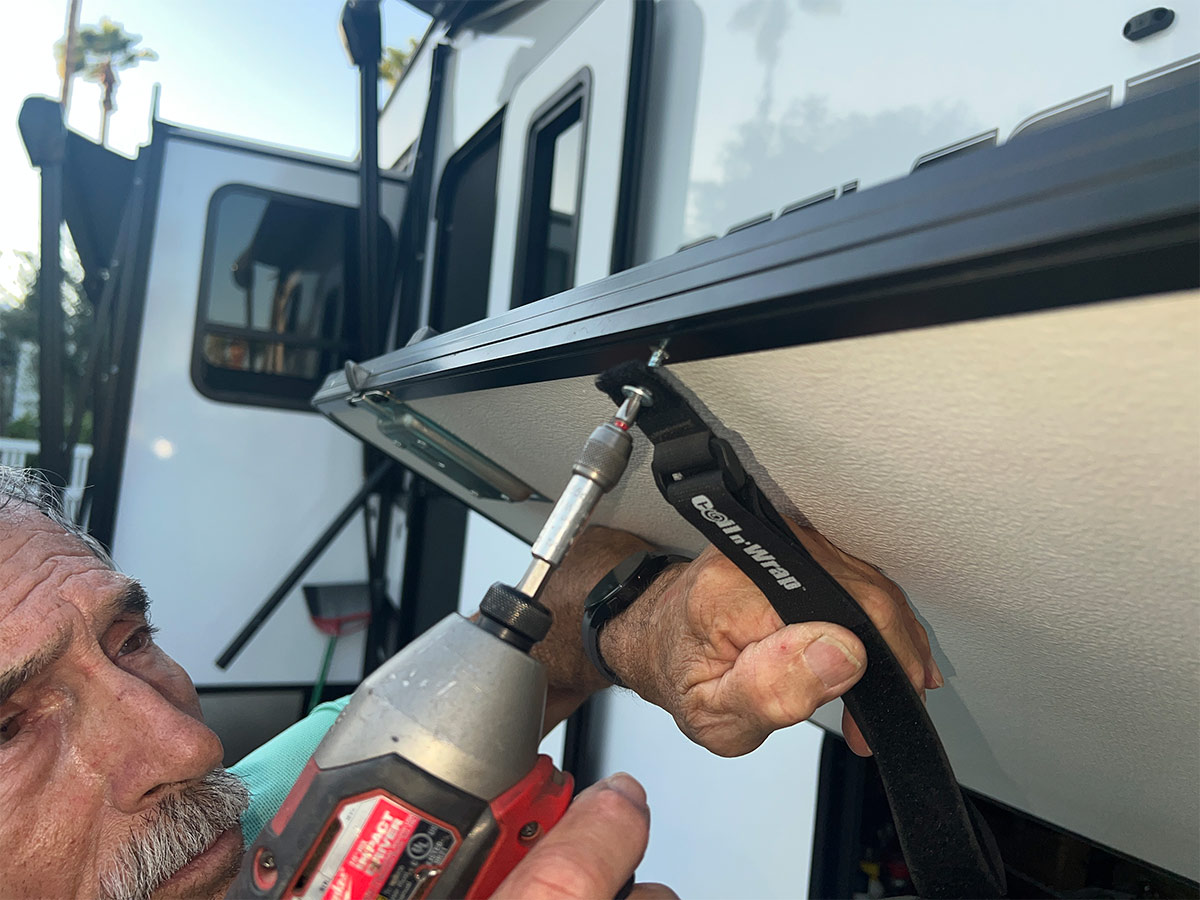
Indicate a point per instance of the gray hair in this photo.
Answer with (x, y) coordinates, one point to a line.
(30, 488)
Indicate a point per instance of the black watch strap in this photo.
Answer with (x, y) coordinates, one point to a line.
(614, 593)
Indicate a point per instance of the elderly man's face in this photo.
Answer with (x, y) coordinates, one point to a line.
(109, 780)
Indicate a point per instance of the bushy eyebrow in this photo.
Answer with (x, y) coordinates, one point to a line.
(132, 601)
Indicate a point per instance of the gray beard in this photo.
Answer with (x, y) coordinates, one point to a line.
(181, 827)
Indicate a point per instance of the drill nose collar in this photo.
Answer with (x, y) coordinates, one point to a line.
(513, 617)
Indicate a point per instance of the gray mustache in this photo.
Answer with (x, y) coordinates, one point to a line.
(181, 827)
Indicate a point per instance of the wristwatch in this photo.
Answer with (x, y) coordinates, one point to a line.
(614, 593)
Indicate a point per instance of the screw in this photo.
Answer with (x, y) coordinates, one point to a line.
(659, 356)
(635, 399)
(530, 830)
(645, 398)
(266, 860)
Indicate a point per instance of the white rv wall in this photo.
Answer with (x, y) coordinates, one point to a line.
(720, 828)
(755, 106)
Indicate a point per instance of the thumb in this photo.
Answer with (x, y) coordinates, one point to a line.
(591, 852)
(785, 677)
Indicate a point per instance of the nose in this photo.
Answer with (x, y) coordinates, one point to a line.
(139, 740)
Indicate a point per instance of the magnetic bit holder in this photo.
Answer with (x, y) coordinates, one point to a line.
(514, 613)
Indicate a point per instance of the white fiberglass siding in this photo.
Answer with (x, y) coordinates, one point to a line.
(757, 105)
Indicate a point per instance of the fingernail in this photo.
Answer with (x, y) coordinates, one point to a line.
(831, 661)
(935, 678)
(624, 785)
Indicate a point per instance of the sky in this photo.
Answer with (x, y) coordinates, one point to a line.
(267, 70)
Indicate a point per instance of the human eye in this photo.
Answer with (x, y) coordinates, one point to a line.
(9, 726)
(142, 638)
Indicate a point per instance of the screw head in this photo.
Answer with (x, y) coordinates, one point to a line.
(266, 860)
(644, 396)
(530, 830)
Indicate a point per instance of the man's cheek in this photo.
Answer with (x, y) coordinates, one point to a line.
(37, 860)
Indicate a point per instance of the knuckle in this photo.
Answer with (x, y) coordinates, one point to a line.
(894, 590)
(879, 605)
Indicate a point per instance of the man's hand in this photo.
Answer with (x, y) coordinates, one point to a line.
(705, 645)
(591, 852)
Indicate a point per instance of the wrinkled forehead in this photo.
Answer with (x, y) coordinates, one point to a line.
(39, 558)
(21, 520)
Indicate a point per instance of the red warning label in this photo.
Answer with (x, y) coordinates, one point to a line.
(374, 853)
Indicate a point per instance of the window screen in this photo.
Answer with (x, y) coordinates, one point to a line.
(466, 223)
(545, 263)
(273, 316)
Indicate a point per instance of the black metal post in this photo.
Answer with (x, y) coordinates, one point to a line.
(362, 32)
(368, 195)
(45, 138)
(383, 614)
(52, 452)
(435, 533)
(412, 312)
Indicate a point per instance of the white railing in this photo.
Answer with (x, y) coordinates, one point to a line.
(16, 451)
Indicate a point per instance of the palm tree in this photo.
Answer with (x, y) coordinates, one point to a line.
(100, 52)
(395, 61)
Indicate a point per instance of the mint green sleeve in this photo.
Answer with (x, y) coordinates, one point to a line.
(270, 771)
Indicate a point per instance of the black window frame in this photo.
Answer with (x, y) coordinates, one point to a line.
(267, 389)
(489, 136)
(539, 157)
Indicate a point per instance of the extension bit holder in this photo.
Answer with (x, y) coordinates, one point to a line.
(515, 613)
(948, 847)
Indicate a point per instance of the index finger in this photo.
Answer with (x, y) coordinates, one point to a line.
(591, 852)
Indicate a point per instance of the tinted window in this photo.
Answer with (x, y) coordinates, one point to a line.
(545, 263)
(466, 222)
(273, 316)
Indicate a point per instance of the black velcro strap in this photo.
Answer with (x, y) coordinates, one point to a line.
(948, 848)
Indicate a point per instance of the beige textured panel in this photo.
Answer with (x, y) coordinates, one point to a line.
(1033, 483)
